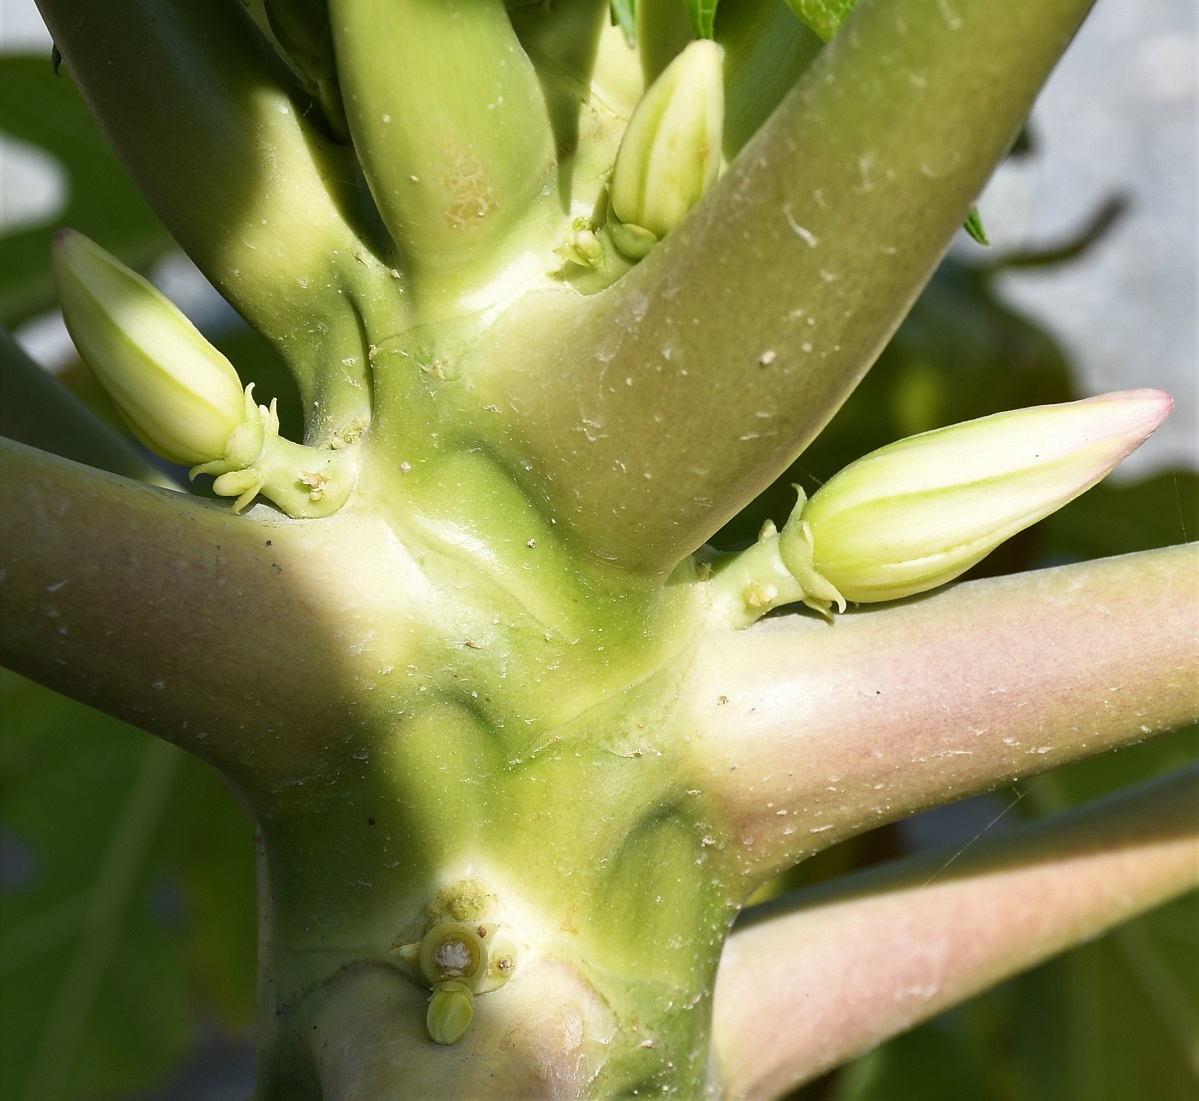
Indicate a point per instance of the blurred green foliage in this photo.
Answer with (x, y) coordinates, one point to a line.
(126, 901)
(47, 112)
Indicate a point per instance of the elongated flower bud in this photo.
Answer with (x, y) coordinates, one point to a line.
(177, 393)
(918, 513)
(670, 153)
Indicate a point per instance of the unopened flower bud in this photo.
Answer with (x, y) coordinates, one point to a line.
(918, 513)
(670, 153)
(177, 393)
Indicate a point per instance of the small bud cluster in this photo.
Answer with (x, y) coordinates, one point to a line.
(458, 959)
(670, 153)
(668, 158)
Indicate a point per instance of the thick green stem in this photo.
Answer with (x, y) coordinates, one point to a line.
(452, 131)
(213, 127)
(811, 732)
(830, 973)
(170, 612)
(837, 213)
(491, 690)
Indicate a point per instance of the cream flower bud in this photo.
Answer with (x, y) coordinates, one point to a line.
(917, 513)
(178, 394)
(670, 153)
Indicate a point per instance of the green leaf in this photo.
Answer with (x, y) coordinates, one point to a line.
(126, 905)
(920, 1065)
(823, 16)
(46, 111)
(703, 15)
(1113, 1021)
(624, 15)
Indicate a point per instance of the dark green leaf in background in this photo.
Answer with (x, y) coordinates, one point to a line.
(126, 902)
(46, 111)
(1122, 517)
(921, 1065)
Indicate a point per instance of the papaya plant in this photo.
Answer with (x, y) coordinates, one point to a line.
(563, 288)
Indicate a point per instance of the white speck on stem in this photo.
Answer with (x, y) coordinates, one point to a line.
(805, 235)
(952, 20)
(864, 166)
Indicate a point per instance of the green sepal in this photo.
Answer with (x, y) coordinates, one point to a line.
(973, 225)
(703, 16)
(305, 482)
(624, 15)
(823, 16)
